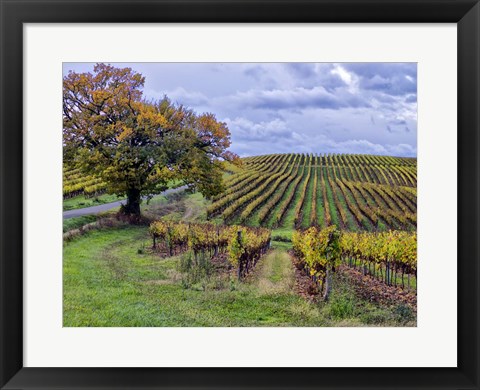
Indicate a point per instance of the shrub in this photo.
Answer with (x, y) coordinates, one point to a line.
(376, 317)
(342, 306)
(195, 269)
(403, 313)
(281, 239)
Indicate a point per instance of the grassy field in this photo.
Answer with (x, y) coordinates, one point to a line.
(108, 283)
(112, 279)
(79, 202)
(78, 222)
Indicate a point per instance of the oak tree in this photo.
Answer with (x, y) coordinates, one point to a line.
(137, 146)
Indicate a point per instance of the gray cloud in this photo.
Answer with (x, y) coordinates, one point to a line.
(257, 72)
(244, 129)
(297, 98)
(188, 98)
(296, 107)
(388, 78)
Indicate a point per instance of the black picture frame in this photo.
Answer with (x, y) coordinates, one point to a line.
(14, 13)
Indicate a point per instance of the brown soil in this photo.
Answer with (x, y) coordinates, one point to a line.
(221, 263)
(304, 285)
(365, 286)
(376, 291)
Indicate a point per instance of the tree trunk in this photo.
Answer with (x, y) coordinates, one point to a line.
(133, 203)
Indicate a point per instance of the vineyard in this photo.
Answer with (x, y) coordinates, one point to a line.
(244, 246)
(76, 183)
(390, 257)
(295, 191)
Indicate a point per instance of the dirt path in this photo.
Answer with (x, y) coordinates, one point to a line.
(275, 273)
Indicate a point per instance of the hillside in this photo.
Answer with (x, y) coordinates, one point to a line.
(354, 192)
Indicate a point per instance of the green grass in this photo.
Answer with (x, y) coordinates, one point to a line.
(345, 309)
(254, 219)
(108, 283)
(286, 194)
(111, 278)
(78, 222)
(286, 232)
(320, 201)
(179, 206)
(365, 224)
(79, 202)
(307, 203)
(289, 218)
(351, 222)
(331, 203)
(281, 245)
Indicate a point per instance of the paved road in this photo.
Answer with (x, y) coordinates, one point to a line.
(107, 206)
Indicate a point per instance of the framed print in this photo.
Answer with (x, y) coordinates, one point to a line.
(239, 194)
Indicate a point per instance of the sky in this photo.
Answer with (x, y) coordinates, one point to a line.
(366, 108)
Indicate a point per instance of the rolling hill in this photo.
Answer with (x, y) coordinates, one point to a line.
(354, 192)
